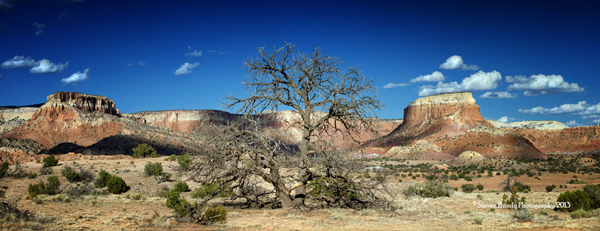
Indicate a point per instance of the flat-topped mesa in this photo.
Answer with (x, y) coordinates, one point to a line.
(441, 105)
(84, 102)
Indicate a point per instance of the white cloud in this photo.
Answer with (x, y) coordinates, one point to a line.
(186, 68)
(455, 62)
(18, 62)
(436, 76)
(597, 121)
(439, 88)
(572, 123)
(541, 84)
(195, 53)
(498, 95)
(39, 28)
(390, 85)
(76, 78)
(476, 82)
(505, 119)
(578, 108)
(585, 117)
(130, 64)
(45, 66)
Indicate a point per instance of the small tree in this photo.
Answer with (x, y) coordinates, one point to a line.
(144, 150)
(50, 161)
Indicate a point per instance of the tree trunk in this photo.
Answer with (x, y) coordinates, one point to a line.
(286, 200)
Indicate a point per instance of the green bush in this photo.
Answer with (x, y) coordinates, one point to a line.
(468, 178)
(50, 188)
(184, 161)
(215, 214)
(70, 174)
(521, 187)
(479, 186)
(181, 186)
(549, 188)
(577, 200)
(116, 185)
(144, 150)
(211, 189)
(579, 214)
(103, 177)
(153, 169)
(32, 176)
(431, 189)
(593, 193)
(468, 188)
(50, 161)
(3, 169)
(453, 177)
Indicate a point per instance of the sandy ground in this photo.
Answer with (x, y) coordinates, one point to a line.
(116, 212)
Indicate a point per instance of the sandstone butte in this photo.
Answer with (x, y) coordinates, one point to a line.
(445, 125)
(437, 126)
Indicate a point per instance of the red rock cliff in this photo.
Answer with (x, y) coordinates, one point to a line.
(84, 102)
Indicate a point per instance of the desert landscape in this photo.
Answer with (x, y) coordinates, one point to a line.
(87, 132)
(299, 115)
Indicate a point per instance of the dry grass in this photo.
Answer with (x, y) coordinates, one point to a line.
(139, 210)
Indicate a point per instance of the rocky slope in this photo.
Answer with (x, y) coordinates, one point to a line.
(446, 125)
(555, 137)
(74, 122)
(193, 121)
(11, 117)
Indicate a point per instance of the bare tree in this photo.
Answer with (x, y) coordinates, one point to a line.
(309, 84)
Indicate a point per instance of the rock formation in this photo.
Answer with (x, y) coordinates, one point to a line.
(451, 124)
(186, 121)
(84, 102)
(92, 124)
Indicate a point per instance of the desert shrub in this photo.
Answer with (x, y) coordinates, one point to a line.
(431, 189)
(156, 170)
(3, 169)
(468, 178)
(211, 189)
(521, 187)
(215, 214)
(593, 193)
(479, 186)
(184, 161)
(86, 175)
(580, 213)
(116, 185)
(577, 200)
(46, 170)
(468, 188)
(144, 150)
(50, 188)
(103, 177)
(543, 212)
(330, 187)
(453, 177)
(478, 220)
(153, 169)
(135, 196)
(498, 174)
(32, 176)
(181, 186)
(50, 161)
(549, 188)
(70, 174)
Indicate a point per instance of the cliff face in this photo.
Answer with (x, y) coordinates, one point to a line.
(75, 122)
(450, 124)
(84, 102)
(538, 125)
(186, 121)
(568, 140)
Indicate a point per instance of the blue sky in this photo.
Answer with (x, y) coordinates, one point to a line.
(537, 59)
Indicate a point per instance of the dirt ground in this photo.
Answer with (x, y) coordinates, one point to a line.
(458, 212)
